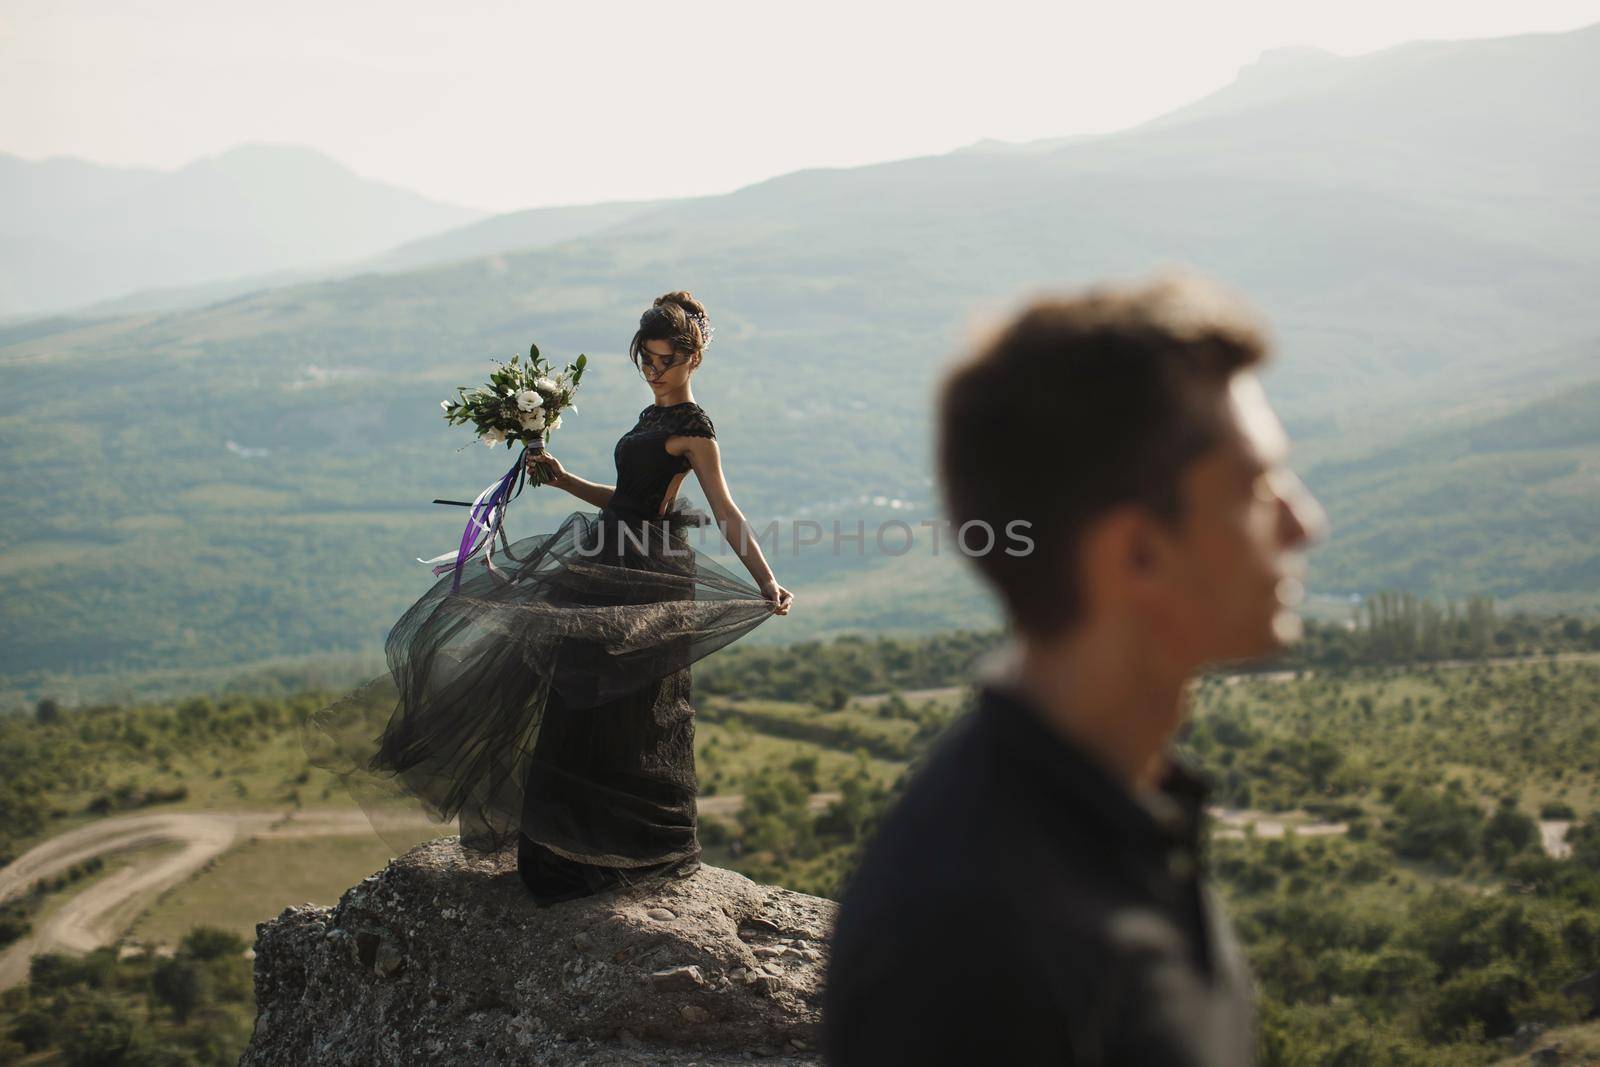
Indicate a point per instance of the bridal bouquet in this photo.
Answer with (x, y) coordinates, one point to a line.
(523, 403)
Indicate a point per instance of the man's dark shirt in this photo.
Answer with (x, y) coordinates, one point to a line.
(1018, 905)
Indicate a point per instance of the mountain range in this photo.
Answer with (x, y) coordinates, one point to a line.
(250, 478)
(73, 232)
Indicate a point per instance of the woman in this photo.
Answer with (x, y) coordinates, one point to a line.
(547, 702)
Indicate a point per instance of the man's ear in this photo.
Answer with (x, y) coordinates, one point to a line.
(1119, 544)
(1129, 555)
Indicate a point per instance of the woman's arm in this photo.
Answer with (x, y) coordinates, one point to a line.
(706, 459)
(558, 476)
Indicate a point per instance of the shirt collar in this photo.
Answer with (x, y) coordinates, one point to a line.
(1155, 820)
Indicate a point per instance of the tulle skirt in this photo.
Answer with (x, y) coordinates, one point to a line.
(548, 695)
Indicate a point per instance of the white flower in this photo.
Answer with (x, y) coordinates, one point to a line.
(444, 405)
(545, 385)
(527, 400)
(493, 436)
(533, 420)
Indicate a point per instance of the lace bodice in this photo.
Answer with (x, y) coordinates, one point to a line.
(644, 466)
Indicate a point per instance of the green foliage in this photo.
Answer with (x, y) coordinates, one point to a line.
(178, 984)
(1437, 923)
(1432, 971)
(107, 758)
(15, 922)
(1584, 839)
(137, 1011)
(96, 1030)
(1508, 832)
(1436, 926)
(780, 839)
(1436, 826)
(844, 665)
(210, 943)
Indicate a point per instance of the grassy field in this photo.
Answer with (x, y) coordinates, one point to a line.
(257, 880)
(736, 740)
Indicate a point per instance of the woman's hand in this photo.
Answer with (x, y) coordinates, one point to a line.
(543, 462)
(779, 595)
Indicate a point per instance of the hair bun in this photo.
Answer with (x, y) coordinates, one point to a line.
(693, 311)
(684, 299)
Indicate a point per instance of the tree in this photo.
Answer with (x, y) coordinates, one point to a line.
(1584, 840)
(1436, 826)
(210, 943)
(178, 984)
(1508, 832)
(95, 1031)
(776, 814)
(32, 1027)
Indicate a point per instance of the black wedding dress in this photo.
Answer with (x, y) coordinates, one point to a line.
(546, 703)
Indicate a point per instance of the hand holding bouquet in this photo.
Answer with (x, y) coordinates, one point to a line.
(523, 403)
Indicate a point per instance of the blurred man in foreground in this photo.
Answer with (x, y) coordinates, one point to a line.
(1038, 894)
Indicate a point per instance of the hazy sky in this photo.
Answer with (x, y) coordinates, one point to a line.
(507, 105)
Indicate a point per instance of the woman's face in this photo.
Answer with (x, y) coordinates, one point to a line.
(663, 367)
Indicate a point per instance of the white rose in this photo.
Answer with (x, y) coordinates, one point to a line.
(444, 405)
(533, 420)
(527, 399)
(493, 436)
(545, 385)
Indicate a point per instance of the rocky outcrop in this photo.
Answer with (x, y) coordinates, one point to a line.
(443, 958)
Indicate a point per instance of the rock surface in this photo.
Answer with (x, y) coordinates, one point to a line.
(443, 958)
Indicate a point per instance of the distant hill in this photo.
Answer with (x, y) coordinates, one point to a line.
(251, 478)
(512, 231)
(1502, 503)
(73, 232)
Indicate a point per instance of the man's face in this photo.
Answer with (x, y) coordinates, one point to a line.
(1240, 565)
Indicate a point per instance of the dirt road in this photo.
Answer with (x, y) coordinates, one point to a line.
(1552, 832)
(100, 913)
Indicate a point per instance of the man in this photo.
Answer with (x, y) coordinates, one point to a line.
(1037, 895)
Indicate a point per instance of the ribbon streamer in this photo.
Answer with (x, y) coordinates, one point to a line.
(483, 523)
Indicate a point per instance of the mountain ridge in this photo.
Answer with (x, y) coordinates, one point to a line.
(74, 232)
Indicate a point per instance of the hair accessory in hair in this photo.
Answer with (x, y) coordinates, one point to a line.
(703, 322)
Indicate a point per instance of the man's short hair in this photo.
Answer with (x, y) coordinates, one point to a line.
(1079, 403)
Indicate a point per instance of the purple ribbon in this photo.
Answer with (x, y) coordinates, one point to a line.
(488, 512)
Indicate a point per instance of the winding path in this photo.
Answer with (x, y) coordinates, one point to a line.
(100, 913)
